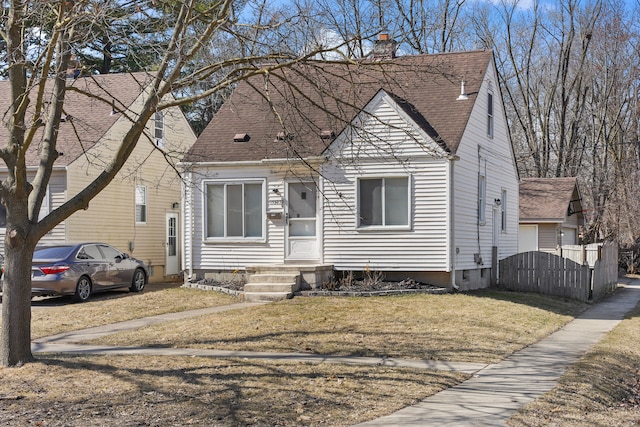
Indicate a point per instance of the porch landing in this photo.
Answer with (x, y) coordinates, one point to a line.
(281, 281)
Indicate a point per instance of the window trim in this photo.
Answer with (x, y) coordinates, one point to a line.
(144, 204)
(233, 239)
(383, 227)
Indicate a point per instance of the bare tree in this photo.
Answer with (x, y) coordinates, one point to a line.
(37, 97)
(431, 26)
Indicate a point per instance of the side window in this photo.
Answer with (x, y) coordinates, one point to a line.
(482, 189)
(158, 131)
(383, 202)
(109, 252)
(3, 216)
(141, 204)
(490, 115)
(89, 252)
(503, 199)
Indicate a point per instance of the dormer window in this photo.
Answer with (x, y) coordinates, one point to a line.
(158, 132)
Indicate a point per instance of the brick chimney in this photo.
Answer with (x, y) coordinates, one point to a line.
(384, 47)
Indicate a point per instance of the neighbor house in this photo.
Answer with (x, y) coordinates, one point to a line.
(550, 214)
(396, 165)
(139, 211)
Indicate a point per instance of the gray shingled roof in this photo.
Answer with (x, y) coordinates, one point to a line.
(545, 198)
(90, 118)
(314, 97)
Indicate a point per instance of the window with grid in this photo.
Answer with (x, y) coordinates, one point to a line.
(234, 210)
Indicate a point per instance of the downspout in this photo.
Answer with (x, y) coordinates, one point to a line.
(189, 203)
(452, 229)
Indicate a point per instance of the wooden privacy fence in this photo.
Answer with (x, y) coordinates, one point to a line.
(550, 274)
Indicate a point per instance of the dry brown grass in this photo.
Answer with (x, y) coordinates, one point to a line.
(65, 390)
(601, 390)
(479, 327)
(71, 317)
(158, 391)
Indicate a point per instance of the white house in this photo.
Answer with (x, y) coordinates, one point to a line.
(400, 165)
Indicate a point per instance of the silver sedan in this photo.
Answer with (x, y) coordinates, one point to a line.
(83, 269)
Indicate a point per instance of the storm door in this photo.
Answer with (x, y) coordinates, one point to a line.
(302, 224)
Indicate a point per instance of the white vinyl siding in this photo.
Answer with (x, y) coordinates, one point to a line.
(495, 161)
(232, 254)
(482, 198)
(422, 243)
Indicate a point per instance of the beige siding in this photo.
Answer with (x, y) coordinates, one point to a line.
(111, 215)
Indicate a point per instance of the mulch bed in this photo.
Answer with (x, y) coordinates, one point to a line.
(351, 288)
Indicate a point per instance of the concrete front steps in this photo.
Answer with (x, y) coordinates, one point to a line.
(282, 281)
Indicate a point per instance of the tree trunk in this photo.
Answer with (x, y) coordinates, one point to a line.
(15, 335)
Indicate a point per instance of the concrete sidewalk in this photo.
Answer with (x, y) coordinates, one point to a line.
(496, 392)
(489, 398)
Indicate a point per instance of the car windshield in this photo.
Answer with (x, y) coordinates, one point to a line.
(56, 252)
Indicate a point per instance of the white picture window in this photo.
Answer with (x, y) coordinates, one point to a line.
(235, 210)
(141, 204)
(383, 202)
(158, 132)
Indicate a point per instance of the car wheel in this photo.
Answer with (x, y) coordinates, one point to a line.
(83, 289)
(138, 282)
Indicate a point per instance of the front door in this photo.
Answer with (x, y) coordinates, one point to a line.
(302, 234)
(172, 265)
